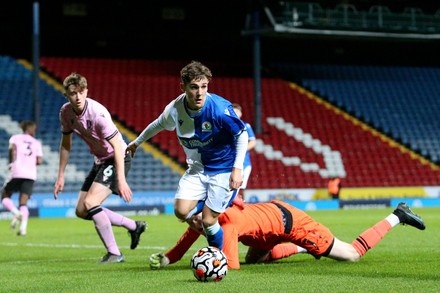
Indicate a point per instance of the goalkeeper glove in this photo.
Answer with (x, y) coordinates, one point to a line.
(158, 260)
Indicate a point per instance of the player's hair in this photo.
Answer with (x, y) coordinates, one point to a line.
(76, 79)
(25, 124)
(236, 106)
(195, 71)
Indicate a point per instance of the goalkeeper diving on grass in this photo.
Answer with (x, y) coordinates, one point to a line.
(275, 230)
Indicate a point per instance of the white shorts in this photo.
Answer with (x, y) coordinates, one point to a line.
(214, 189)
(246, 173)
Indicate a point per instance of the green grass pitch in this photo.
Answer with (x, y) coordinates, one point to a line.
(60, 255)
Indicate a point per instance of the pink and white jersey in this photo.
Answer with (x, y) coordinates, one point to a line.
(28, 150)
(94, 125)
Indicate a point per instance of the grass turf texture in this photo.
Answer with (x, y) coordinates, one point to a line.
(60, 255)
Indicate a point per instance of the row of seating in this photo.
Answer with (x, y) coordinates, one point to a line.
(323, 126)
(399, 101)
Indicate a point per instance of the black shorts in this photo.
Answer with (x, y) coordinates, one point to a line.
(105, 174)
(20, 184)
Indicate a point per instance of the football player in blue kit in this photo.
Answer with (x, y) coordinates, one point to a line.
(215, 142)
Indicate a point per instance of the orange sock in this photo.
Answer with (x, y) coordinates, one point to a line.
(371, 237)
(281, 251)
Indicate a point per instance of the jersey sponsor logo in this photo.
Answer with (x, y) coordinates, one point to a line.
(206, 127)
(180, 122)
(194, 143)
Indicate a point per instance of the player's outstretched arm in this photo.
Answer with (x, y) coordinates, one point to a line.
(151, 130)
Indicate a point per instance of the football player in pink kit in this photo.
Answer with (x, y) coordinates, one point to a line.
(92, 122)
(25, 153)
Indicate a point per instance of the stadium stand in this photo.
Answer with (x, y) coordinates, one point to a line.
(299, 147)
(305, 139)
(401, 102)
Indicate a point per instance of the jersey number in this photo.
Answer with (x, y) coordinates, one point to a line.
(108, 171)
(28, 148)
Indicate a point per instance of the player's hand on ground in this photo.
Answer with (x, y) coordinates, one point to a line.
(158, 260)
(131, 148)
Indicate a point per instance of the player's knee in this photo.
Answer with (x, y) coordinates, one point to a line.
(89, 202)
(182, 209)
(81, 213)
(181, 216)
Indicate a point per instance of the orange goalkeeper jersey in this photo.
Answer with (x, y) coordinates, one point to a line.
(262, 226)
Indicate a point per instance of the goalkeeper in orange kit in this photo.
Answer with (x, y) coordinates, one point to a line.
(269, 228)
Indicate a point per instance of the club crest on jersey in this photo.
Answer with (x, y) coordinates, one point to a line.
(206, 127)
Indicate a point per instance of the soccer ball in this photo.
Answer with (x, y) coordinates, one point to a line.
(209, 264)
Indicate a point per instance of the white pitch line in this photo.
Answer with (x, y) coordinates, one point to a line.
(76, 246)
(21, 262)
(73, 246)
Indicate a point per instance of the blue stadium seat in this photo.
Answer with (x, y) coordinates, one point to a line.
(400, 101)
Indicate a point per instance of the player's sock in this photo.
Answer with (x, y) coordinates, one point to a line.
(393, 220)
(9, 205)
(183, 245)
(214, 235)
(197, 209)
(282, 250)
(301, 249)
(119, 220)
(104, 228)
(24, 217)
(371, 237)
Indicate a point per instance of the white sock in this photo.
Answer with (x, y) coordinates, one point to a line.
(211, 230)
(16, 212)
(393, 220)
(301, 249)
(23, 226)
